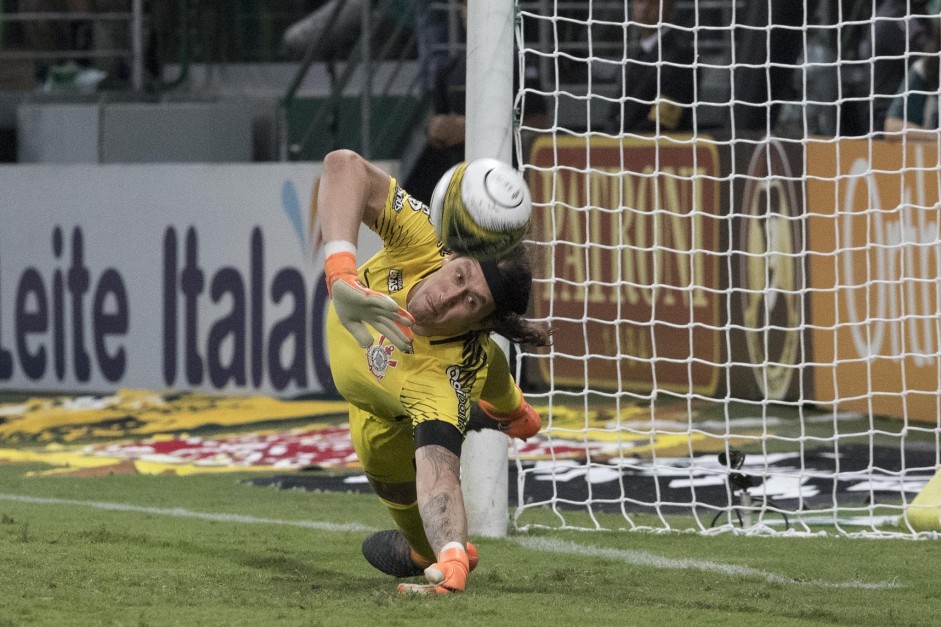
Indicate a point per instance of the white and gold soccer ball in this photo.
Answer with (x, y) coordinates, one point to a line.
(481, 208)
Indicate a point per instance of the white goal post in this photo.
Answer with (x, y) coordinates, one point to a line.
(489, 133)
(747, 309)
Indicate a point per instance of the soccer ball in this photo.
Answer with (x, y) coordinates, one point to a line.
(481, 208)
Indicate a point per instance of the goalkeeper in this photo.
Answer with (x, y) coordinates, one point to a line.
(412, 374)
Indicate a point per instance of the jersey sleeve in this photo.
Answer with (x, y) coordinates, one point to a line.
(500, 389)
(404, 224)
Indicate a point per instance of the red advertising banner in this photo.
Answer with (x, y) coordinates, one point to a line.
(627, 236)
(872, 217)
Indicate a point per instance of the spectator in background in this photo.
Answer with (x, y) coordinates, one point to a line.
(73, 36)
(656, 86)
(444, 131)
(54, 34)
(895, 34)
(913, 112)
(445, 128)
(334, 36)
(431, 39)
(335, 27)
(767, 49)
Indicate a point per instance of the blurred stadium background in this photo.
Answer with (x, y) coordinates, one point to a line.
(157, 234)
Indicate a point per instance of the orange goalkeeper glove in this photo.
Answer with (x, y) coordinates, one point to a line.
(523, 422)
(357, 305)
(448, 574)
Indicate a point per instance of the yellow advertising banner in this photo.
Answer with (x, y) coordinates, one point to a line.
(145, 432)
(872, 218)
(134, 413)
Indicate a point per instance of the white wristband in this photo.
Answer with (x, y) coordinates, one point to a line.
(338, 246)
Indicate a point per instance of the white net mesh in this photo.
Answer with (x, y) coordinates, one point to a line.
(736, 228)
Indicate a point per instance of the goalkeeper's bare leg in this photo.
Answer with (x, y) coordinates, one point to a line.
(441, 504)
(403, 552)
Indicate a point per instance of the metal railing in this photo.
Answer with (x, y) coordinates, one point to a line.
(135, 22)
(362, 61)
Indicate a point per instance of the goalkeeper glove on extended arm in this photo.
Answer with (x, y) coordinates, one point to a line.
(523, 422)
(357, 305)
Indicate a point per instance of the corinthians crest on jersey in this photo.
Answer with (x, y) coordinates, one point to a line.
(379, 358)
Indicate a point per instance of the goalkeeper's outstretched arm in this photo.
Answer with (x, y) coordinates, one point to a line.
(353, 191)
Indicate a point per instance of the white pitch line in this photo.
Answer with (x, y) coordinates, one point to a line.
(179, 512)
(640, 558)
(643, 558)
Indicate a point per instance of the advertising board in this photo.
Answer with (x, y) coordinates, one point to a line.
(196, 277)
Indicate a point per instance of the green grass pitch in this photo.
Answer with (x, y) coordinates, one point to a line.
(213, 550)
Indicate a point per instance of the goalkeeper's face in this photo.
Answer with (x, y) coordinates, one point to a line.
(451, 301)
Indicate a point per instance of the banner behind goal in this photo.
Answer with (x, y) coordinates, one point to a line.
(737, 245)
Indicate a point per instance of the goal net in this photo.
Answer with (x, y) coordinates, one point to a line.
(737, 241)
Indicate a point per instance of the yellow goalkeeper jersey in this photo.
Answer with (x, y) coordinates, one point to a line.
(444, 375)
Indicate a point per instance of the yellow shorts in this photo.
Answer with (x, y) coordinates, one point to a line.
(386, 448)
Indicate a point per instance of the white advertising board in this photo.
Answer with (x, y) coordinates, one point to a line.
(179, 277)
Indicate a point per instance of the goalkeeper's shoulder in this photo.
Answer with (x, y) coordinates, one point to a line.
(405, 229)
